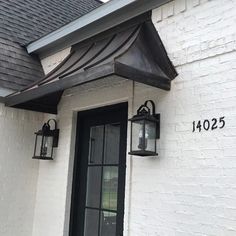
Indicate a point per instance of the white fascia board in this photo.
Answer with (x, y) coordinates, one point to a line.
(79, 23)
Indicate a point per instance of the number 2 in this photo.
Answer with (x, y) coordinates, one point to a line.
(214, 126)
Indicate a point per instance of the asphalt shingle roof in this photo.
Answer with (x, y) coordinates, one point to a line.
(23, 21)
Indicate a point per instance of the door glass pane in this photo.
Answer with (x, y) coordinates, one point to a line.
(91, 222)
(96, 144)
(108, 224)
(93, 186)
(109, 188)
(112, 143)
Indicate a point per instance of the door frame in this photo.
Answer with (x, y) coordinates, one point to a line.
(121, 110)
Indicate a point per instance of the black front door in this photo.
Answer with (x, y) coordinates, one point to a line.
(99, 172)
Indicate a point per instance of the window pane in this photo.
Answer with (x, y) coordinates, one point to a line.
(110, 188)
(112, 143)
(96, 144)
(91, 222)
(108, 224)
(93, 186)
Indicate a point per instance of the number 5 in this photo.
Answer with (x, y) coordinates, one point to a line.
(221, 120)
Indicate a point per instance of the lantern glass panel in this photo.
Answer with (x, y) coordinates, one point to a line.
(138, 136)
(47, 145)
(38, 143)
(150, 134)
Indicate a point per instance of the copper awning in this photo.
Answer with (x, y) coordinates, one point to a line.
(133, 51)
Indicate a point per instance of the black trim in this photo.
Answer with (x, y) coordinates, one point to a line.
(60, 85)
(44, 158)
(86, 119)
(140, 76)
(100, 208)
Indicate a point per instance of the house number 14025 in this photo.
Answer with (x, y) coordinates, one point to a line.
(212, 124)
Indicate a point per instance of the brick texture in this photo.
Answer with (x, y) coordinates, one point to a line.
(18, 172)
(189, 189)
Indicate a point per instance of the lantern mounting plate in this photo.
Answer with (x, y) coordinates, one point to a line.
(158, 117)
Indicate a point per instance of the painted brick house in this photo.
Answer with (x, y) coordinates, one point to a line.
(90, 66)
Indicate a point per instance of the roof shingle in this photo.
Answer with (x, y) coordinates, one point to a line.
(23, 21)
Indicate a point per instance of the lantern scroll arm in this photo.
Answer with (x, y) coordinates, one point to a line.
(55, 123)
(153, 106)
(55, 131)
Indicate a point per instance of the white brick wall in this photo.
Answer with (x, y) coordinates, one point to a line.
(189, 190)
(18, 172)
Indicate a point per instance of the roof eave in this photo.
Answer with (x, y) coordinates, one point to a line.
(105, 17)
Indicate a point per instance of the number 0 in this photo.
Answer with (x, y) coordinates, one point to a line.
(206, 124)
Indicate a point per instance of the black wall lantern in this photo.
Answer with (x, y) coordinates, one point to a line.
(46, 139)
(145, 129)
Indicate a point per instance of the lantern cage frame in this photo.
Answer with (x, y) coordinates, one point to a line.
(46, 132)
(145, 114)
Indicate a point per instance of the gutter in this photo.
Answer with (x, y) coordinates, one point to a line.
(100, 19)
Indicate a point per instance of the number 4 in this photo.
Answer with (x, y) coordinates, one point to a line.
(199, 126)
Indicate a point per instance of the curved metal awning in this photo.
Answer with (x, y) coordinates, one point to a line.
(134, 52)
